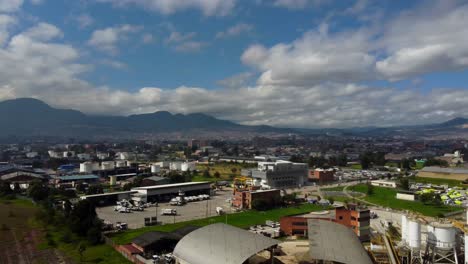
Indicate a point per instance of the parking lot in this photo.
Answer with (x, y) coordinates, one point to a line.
(189, 211)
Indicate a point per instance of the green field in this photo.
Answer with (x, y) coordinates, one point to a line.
(387, 197)
(449, 182)
(225, 170)
(242, 220)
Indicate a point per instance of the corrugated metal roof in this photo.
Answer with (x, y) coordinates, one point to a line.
(330, 241)
(221, 243)
(170, 185)
(78, 177)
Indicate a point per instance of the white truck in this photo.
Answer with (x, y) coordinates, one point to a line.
(169, 211)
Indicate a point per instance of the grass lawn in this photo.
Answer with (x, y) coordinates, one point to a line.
(242, 220)
(356, 166)
(449, 182)
(391, 164)
(200, 178)
(387, 197)
(224, 168)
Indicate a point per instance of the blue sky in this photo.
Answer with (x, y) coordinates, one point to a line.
(296, 63)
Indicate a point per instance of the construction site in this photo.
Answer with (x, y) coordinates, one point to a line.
(418, 240)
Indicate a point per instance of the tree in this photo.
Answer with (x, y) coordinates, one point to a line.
(296, 158)
(234, 170)
(365, 160)
(217, 175)
(370, 189)
(406, 164)
(94, 189)
(404, 183)
(436, 162)
(37, 191)
(331, 200)
(5, 188)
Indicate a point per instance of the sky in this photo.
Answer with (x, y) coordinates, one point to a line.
(285, 63)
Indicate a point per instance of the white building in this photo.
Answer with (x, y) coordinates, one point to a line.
(83, 156)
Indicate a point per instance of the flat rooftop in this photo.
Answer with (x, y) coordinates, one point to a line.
(170, 185)
(106, 194)
(78, 177)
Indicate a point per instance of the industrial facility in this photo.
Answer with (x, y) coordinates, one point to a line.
(280, 174)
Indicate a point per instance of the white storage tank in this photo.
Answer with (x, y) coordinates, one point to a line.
(404, 228)
(443, 235)
(107, 165)
(86, 167)
(121, 163)
(155, 168)
(186, 166)
(414, 233)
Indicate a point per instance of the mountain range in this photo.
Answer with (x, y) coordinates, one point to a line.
(26, 117)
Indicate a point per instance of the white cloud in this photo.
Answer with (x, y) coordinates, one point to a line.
(176, 37)
(207, 7)
(43, 32)
(236, 81)
(39, 68)
(235, 30)
(299, 4)
(10, 5)
(6, 22)
(427, 40)
(113, 64)
(84, 20)
(183, 42)
(107, 39)
(315, 57)
(147, 38)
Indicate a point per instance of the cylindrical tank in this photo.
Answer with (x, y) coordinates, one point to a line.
(404, 228)
(86, 167)
(443, 235)
(113, 180)
(155, 168)
(121, 163)
(414, 233)
(107, 165)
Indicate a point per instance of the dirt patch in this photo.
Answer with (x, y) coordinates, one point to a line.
(19, 242)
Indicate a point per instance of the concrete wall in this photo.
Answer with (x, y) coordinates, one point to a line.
(405, 196)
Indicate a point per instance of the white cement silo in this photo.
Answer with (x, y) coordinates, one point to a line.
(414, 233)
(404, 228)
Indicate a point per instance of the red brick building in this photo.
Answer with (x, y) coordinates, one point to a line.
(322, 175)
(355, 217)
(245, 199)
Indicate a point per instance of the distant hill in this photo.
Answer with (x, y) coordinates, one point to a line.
(32, 117)
(26, 117)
